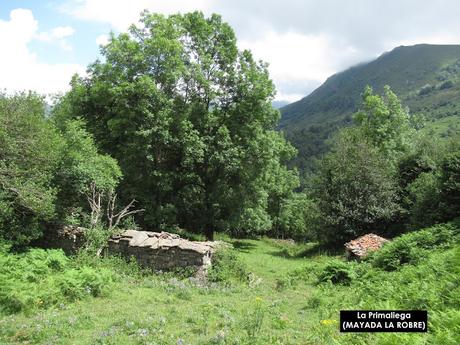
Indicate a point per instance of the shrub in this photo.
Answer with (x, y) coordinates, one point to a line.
(411, 248)
(42, 278)
(398, 253)
(337, 272)
(227, 267)
(426, 89)
(446, 85)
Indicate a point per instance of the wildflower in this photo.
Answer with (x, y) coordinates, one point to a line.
(328, 322)
(259, 299)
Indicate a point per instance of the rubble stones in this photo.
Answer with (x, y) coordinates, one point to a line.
(363, 245)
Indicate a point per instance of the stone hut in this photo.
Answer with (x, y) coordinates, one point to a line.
(162, 251)
(362, 246)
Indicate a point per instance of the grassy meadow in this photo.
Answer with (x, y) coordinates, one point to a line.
(263, 291)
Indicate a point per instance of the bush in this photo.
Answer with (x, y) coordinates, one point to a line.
(393, 255)
(42, 278)
(411, 248)
(227, 267)
(426, 89)
(446, 85)
(450, 185)
(337, 272)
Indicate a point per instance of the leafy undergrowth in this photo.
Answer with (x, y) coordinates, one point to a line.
(265, 292)
(43, 278)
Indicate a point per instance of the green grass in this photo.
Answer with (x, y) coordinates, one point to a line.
(281, 302)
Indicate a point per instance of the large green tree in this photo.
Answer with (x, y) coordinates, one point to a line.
(189, 118)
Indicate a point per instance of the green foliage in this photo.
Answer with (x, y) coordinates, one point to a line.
(164, 309)
(424, 200)
(430, 182)
(398, 253)
(312, 121)
(29, 155)
(412, 247)
(298, 218)
(227, 267)
(450, 185)
(336, 272)
(188, 116)
(81, 166)
(355, 189)
(384, 123)
(83, 163)
(45, 172)
(43, 278)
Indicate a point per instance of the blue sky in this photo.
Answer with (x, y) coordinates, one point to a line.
(304, 41)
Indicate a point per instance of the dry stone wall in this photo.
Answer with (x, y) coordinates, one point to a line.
(162, 251)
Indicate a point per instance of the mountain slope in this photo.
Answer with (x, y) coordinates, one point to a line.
(425, 77)
(405, 69)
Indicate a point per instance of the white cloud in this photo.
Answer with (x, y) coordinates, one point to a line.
(62, 31)
(303, 40)
(102, 40)
(299, 63)
(20, 69)
(57, 35)
(121, 14)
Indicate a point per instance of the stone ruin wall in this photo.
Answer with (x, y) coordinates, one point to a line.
(162, 251)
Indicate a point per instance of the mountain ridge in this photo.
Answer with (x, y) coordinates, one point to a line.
(401, 68)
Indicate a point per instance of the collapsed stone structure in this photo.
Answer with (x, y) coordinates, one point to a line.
(162, 251)
(362, 246)
(69, 238)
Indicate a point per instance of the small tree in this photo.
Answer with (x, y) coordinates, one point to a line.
(355, 189)
(385, 124)
(96, 199)
(29, 154)
(83, 173)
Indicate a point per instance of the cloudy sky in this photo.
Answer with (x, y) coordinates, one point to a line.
(44, 42)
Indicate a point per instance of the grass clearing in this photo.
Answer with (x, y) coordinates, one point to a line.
(280, 303)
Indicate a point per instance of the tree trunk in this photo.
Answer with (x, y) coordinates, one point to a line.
(209, 215)
(209, 232)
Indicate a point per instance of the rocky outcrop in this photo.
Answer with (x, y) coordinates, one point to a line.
(162, 251)
(362, 246)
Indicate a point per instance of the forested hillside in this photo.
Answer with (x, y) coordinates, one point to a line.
(425, 77)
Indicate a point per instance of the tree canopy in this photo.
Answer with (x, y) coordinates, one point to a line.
(189, 118)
